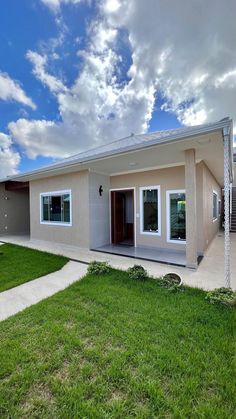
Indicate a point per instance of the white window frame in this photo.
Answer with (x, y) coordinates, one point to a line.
(168, 193)
(217, 206)
(144, 188)
(55, 193)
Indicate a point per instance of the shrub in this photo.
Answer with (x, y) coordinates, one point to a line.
(138, 273)
(98, 268)
(222, 295)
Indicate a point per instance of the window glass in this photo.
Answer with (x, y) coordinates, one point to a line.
(66, 208)
(45, 208)
(177, 216)
(215, 210)
(56, 208)
(150, 210)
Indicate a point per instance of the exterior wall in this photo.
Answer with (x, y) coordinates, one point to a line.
(78, 233)
(91, 214)
(14, 211)
(200, 209)
(210, 227)
(168, 179)
(99, 210)
(234, 169)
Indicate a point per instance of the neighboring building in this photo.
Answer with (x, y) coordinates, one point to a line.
(161, 190)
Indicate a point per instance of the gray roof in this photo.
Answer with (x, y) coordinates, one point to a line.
(133, 142)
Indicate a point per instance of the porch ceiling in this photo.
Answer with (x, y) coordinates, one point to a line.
(208, 148)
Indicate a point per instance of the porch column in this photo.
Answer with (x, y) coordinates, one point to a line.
(191, 209)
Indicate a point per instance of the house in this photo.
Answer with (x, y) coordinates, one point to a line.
(159, 193)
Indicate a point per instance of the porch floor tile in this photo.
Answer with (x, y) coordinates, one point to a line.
(170, 257)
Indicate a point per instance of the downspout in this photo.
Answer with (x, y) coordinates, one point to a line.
(227, 181)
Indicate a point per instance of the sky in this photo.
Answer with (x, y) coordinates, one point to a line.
(75, 74)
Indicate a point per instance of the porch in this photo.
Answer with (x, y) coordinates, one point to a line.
(152, 254)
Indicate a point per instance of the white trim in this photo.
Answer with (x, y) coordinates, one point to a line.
(133, 188)
(55, 193)
(168, 193)
(150, 233)
(217, 207)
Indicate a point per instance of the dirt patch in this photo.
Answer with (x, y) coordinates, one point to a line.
(39, 402)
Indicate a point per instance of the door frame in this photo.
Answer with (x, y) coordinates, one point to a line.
(131, 188)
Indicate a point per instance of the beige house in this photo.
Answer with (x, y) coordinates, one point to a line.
(156, 196)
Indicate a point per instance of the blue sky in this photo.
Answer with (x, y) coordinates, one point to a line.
(26, 25)
(78, 73)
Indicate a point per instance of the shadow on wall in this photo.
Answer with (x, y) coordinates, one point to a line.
(14, 208)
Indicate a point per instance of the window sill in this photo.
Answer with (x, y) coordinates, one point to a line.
(51, 223)
(176, 241)
(150, 233)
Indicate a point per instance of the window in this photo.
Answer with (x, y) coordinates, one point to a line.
(215, 206)
(56, 208)
(150, 210)
(176, 223)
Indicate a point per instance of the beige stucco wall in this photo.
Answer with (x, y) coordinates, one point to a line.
(78, 233)
(99, 210)
(168, 179)
(234, 168)
(90, 212)
(210, 227)
(14, 211)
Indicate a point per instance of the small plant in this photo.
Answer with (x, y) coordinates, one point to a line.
(222, 295)
(98, 268)
(138, 273)
(171, 281)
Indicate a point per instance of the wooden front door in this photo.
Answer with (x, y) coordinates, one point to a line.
(117, 216)
(121, 230)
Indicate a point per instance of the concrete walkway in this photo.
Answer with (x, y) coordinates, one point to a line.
(209, 275)
(16, 299)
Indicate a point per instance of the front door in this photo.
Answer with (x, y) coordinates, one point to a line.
(122, 217)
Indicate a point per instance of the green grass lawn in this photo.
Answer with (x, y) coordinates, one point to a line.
(20, 264)
(109, 347)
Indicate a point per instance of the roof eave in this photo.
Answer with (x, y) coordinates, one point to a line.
(152, 143)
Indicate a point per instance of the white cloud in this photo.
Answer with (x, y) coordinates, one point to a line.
(177, 52)
(54, 5)
(11, 90)
(39, 63)
(187, 54)
(9, 159)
